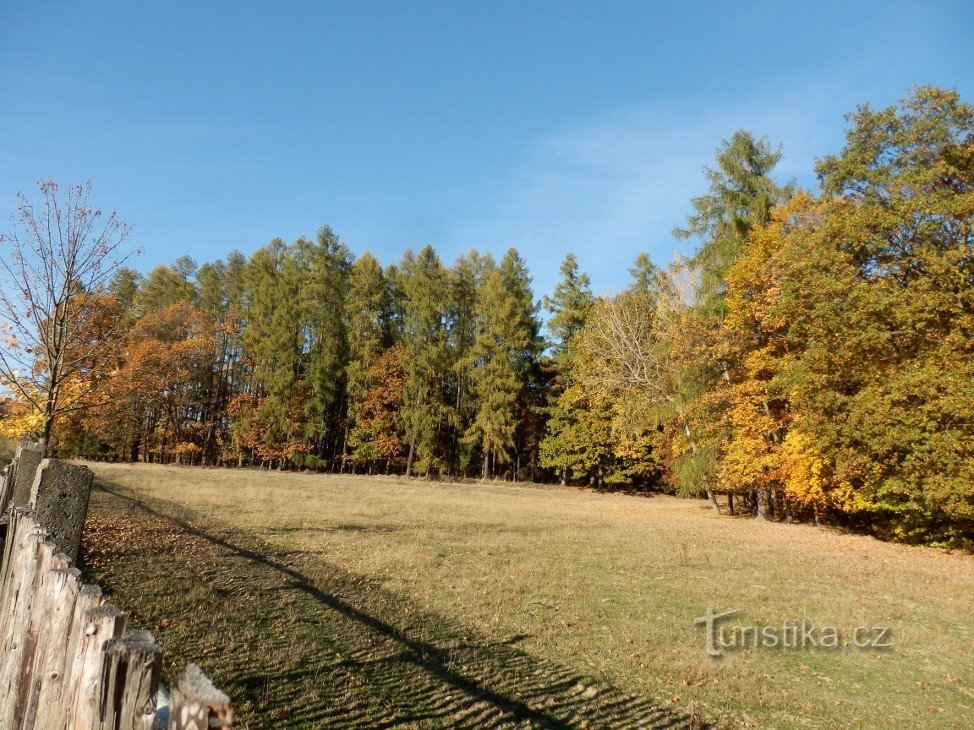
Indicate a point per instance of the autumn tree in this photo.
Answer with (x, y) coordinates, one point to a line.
(885, 384)
(366, 310)
(59, 253)
(741, 196)
(376, 437)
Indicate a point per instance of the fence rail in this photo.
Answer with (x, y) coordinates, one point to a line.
(67, 659)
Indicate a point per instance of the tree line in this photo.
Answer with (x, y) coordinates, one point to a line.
(811, 360)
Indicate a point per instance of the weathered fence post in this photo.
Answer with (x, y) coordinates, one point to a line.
(196, 704)
(65, 661)
(6, 485)
(130, 682)
(101, 625)
(59, 497)
(26, 461)
(35, 562)
(45, 678)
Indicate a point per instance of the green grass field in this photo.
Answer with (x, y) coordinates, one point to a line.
(350, 601)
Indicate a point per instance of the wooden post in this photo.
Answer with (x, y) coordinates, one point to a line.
(36, 562)
(28, 458)
(52, 659)
(196, 704)
(89, 597)
(14, 517)
(6, 487)
(101, 625)
(52, 566)
(129, 682)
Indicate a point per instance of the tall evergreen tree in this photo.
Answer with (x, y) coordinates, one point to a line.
(741, 194)
(495, 363)
(466, 280)
(569, 304)
(326, 263)
(167, 285)
(366, 313)
(427, 412)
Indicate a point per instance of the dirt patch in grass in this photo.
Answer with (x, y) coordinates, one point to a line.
(299, 642)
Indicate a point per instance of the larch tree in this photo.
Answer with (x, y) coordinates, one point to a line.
(495, 360)
(366, 313)
(427, 413)
(569, 306)
(323, 295)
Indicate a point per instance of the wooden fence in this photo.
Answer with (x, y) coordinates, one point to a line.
(67, 660)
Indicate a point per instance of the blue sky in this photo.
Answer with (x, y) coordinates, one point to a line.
(546, 126)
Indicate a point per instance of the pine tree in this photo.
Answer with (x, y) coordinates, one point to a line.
(514, 274)
(569, 305)
(124, 286)
(274, 343)
(741, 196)
(167, 285)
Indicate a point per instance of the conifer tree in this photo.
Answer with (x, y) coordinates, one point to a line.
(569, 304)
(167, 285)
(426, 413)
(495, 362)
(366, 313)
(741, 196)
(466, 280)
(325, 265)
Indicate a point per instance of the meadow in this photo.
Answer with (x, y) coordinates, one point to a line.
(324, 600)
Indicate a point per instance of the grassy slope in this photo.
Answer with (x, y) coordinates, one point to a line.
(538, 597)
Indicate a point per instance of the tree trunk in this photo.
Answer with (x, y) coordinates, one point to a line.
(730, 503)
(713, 501)
(763, 505)
(409, 459)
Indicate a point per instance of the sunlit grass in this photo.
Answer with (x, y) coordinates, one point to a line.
(604, 586)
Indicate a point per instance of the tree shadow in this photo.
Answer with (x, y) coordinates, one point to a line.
(338, 651)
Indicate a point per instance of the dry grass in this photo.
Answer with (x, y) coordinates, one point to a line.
(585, 585)
(6, 450)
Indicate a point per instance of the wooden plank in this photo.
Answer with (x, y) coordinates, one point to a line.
(129, 682)
(196, 704)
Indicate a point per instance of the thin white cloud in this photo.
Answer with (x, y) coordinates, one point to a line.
(618, 185)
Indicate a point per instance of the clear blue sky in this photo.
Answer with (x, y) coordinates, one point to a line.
(546, 126)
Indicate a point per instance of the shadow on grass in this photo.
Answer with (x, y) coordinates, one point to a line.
(318, 646)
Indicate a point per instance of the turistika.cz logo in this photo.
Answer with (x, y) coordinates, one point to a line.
(800, 635)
